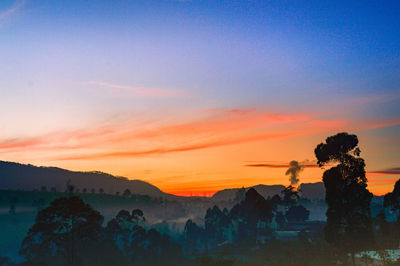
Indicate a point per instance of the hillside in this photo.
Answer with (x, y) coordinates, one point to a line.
(264, 190)
(14, 176)
(311, 191)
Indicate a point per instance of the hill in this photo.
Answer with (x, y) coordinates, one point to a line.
(15, 176)
(311, 191)
(264, 190)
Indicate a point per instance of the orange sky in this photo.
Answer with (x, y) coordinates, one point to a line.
(202, 152)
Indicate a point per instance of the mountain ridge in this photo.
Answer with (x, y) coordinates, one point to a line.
(17, 176)
(29, 177)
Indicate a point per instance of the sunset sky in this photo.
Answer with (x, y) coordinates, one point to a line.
(190, 95)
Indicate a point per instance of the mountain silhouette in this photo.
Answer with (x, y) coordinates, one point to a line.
(16, 176)
(312, 191)
(264, 190)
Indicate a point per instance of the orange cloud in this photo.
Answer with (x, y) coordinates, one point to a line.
(282, 165)
(387, 171)
(217, 128)
(202, 145)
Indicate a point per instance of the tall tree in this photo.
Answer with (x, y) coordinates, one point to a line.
(348, 216)
(290, 196)
(253, 216)
(194, 237)
(62, 232)
(392, 199)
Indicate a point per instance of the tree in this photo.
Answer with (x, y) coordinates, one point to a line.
(217, 225)
(392, 199)
(252, 216)
(62, 232)
(138, 246)
(290, 196)
(93, 190)
(101, 191)
(127, 193)
(69, 188)
(193, 237)
(348, 216)
(138, 217)
(297, 213)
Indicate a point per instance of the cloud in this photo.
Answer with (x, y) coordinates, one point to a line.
(159, 135)
(304, 164)
(388, 171)
(118, 90)
(182, 148)
(5, 15)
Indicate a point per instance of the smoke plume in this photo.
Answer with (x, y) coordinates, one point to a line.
(294, 169)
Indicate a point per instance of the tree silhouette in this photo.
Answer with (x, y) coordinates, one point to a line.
(193, 237)
(392, 199)
(252, 216)
(127, 193)
(69, 187)
(62, 232)
(138, 217)
(217, 225)
(101, 190)
(348, 216)
(138, 246)
(297, 213)
(290, 196)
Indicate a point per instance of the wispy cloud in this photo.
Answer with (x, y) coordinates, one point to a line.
(8, 13)
(387, 171)
(171, 148)
(159, 135)
(118, 90)
(305, 164)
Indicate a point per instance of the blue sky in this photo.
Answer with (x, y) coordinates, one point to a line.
(69, 65)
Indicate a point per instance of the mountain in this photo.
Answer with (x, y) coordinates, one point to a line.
(311, 191)
(264, 190)
(16, 176)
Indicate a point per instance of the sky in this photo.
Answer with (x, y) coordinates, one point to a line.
(188, 95)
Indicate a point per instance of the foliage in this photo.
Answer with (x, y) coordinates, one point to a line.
(348, 216)
(392, 199)
(297, 213)
(194, 238)
(252, 217)
(62, 232)
(290, 196)
(218, 226)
